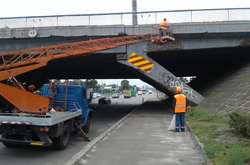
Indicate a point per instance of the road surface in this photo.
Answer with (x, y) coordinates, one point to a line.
(143, 139)
(104, 117)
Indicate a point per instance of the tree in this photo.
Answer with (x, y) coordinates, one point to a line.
(125, 85)
(91, 83)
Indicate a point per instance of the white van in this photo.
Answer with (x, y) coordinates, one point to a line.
(139, 93)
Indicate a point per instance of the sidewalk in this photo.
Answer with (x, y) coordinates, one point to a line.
(143, 139)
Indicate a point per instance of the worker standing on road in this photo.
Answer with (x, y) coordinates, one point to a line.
(180, 108)
(164, 25)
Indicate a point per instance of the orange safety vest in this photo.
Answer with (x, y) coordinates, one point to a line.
(164, 25)
(180, 104)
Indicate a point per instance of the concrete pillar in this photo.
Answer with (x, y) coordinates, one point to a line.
(134, 11)
(158, 76)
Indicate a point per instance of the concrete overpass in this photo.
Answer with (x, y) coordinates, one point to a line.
(197, 44)
(192, 39)
(208, 50)
(189, 35)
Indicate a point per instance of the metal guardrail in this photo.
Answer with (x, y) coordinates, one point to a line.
(125, 18)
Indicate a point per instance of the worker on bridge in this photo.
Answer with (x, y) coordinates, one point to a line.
(164, 26)
(180, 108)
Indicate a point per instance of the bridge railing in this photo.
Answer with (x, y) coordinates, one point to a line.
(148, 17)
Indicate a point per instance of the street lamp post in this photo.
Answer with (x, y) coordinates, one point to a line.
(134, 11)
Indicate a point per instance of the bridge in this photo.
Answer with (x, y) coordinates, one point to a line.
(208, 46)
(212, 45)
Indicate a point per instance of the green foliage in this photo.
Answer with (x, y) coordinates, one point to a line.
(125, 85)
(199, 114)
(91, 83)
(221, 145)
(240, 122)
(213, 149)
(236, 155)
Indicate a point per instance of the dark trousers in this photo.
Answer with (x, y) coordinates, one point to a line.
(180, 122)
(162, 32)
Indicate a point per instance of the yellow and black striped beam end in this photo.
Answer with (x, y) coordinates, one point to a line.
(140, 62)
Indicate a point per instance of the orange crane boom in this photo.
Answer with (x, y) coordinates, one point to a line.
(19, 62)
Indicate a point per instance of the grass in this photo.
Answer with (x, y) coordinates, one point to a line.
(221, 145)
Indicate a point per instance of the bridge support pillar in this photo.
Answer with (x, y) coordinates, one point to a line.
(154, 74)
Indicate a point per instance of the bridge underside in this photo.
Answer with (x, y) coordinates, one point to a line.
(192, 55)
(208, 65)
(201, 62)
(205, 64)
(212, 54)
(207, 57)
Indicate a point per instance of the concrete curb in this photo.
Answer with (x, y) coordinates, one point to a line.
(199, 145)
(86, 148)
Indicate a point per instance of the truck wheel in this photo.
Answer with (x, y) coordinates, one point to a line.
(86, 128)
(9, 145)
(62, 141)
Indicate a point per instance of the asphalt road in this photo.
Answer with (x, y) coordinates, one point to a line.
(104, 117)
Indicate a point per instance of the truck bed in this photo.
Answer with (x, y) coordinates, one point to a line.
(49, 119)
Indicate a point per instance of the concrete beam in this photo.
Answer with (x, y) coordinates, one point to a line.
(113, 30)
(202, 42)
(159, 77)
(191, 42)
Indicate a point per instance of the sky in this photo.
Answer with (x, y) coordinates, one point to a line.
(11, 8)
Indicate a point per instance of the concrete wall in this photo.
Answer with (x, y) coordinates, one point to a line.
(230, 92)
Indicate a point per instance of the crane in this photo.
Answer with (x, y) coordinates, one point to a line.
(16, 63)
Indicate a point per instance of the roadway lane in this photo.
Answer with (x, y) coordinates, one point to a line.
(104, 117)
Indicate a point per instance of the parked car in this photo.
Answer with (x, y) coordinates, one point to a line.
(96, 95)
(104, 100)
(139, 93)
(115, 95)
(144, 92)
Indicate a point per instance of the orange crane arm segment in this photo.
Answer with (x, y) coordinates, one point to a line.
(20, 59)
(24, 101)
(18, 71)
(19, 62)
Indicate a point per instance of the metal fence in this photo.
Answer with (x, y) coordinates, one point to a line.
(148, 17)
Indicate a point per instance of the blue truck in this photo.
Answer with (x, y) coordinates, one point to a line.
(69, 112)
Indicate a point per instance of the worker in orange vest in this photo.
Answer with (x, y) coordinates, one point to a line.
(180, 108)
(164, 25)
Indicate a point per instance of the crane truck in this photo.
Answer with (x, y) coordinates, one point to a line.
(48, 116)
(69, 112)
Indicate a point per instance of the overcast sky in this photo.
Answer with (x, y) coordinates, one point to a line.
(9, 8)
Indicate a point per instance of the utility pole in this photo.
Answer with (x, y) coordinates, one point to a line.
(134, 12)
